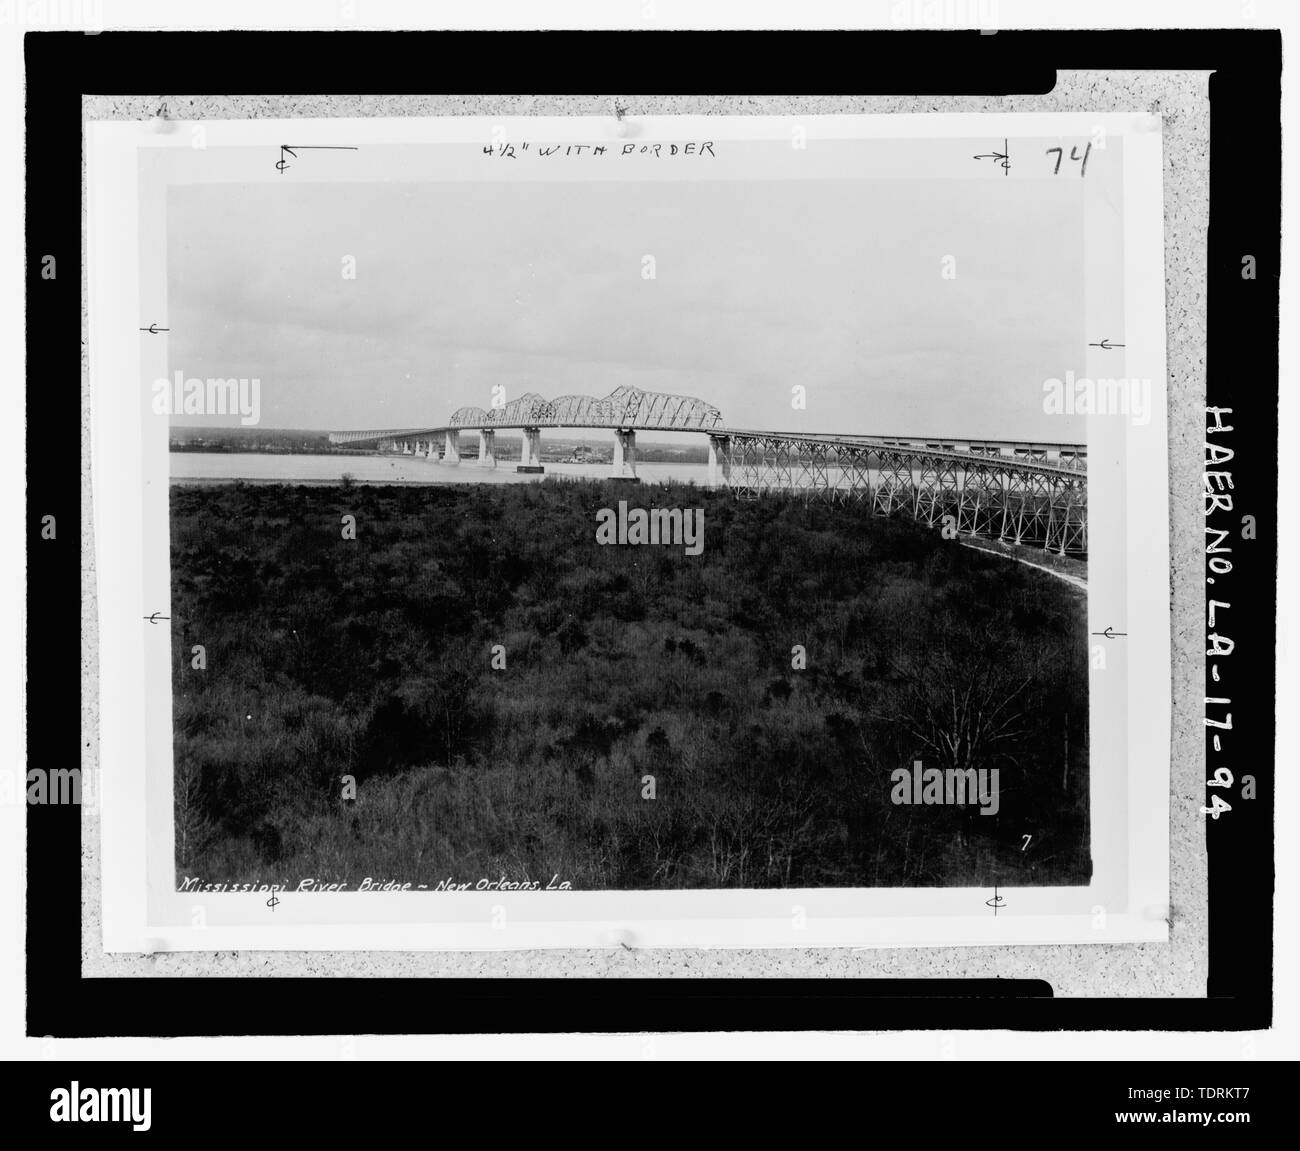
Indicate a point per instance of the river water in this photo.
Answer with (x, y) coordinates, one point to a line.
(265, 467)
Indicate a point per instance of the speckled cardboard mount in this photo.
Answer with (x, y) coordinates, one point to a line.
(1177, 968)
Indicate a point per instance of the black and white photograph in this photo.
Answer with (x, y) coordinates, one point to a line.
(636, 536)
(619, 535)
(565, 507)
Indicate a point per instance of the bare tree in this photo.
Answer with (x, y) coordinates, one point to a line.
(193, 827)
(964, 699)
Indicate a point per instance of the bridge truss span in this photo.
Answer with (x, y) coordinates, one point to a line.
(624, 407)
(1030, 493)
(1025, 494)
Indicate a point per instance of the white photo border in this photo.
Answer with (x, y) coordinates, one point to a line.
(1130, 703)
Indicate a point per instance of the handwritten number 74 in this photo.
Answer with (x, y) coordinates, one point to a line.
(1082, 161)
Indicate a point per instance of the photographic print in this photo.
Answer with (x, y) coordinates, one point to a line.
(559, 509)
(600, 606)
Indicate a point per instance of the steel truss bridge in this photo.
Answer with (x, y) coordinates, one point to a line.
(1030, 493)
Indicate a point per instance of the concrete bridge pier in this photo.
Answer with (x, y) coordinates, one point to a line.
(625, 452)
(451, 447)
(432, 452)
(719, 461)
(530, 455)
(487, 448)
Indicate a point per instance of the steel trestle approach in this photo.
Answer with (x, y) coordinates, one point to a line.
(1031, 494)
(1028, 493)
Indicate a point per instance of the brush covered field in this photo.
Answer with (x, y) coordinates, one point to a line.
(650, 727)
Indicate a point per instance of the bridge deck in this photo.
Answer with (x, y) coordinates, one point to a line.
(1026, 490)
(1037, 454)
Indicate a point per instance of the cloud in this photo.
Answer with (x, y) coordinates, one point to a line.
(835, 285)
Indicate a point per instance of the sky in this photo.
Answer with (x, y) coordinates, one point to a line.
(835, 285)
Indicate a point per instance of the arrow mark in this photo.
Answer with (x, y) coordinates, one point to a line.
(1004, 157)
(294, 149)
